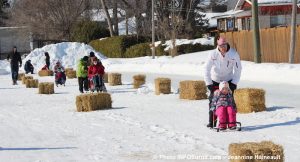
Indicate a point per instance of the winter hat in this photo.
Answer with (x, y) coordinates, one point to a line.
(85, 58)
(223, 84)
(92, 54)
(221, 41)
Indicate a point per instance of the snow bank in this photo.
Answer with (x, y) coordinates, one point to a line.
(4, 67)
(67, 52)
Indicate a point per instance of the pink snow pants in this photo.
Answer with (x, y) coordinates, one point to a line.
(226, 115)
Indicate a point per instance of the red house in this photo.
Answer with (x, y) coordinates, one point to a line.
(272, 13)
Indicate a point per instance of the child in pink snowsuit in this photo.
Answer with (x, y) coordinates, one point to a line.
(224, 107)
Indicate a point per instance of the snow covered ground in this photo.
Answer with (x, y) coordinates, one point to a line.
(142, 126)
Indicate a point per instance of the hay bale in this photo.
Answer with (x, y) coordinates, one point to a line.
(20, 76)
(93, 101)
(24, 78)
(114, 79)
(32, 83)
(162, 85)
(249, 100)
(71, 74)
(105, 78)
(138, 80)
(46, 88)
(68, 69)
(42, 73)
(264, 151)
(192, 90)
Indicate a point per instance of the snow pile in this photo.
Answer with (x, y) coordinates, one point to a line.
(203, 41)
(67, 52)
(4, 67)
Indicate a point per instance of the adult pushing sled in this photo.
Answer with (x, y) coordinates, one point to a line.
(95, 74)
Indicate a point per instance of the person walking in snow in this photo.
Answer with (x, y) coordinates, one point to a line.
(224, 107)
(28, 67)
(15, 63)
(223, 64)
(82, 74)
(47, 59)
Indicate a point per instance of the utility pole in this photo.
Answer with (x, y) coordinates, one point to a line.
(256, 35)
(293, 33)
(153, 32)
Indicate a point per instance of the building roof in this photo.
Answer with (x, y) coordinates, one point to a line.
(240, 3)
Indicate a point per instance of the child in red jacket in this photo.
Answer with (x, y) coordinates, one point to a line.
(95, 73)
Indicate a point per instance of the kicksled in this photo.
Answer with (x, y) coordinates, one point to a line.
(238, 127)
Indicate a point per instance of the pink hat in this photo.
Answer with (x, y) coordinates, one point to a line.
(221, 41)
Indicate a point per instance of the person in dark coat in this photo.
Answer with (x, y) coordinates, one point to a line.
(15, 63)
(28, 67)
(47, 60)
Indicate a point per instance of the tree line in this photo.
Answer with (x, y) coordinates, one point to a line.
(57, 19)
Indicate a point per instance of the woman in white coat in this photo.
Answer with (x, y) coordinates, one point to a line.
(223, 64)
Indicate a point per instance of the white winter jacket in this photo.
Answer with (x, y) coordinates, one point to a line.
(219, 68)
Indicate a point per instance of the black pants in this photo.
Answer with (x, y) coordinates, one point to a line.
(83, 83)
(212, 89)
(14, 72)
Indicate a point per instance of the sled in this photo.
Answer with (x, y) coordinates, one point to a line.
(238, 126)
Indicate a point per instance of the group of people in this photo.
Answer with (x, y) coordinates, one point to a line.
(90, 72)
(222, 74)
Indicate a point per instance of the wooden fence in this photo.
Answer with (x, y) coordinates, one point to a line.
(275, 44)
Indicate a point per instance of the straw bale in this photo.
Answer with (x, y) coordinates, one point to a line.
(114, 79)
(93, 101)
(249, 100)
(138, 80)
(42, 73)
(24, 78)
(265, 151)
(20, 76)
(46, 88)
(105, 77)
(192, 90)
(71, 74)
(32, 83)
(162, 85)
(68, 69)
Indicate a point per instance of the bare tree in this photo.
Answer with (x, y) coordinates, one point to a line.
(176, 19)
(105, 9)
(49, 19)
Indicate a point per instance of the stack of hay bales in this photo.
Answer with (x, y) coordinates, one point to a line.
(20, 76)
(42, 73)
(46, 88)
(93, 101)
(114, 79)
(192, 90)
(249, 100)
(71, 74)
(24, 78)
(138, 80)
(256, 152)
(105, 78)
(32, 83)
(162, 85)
